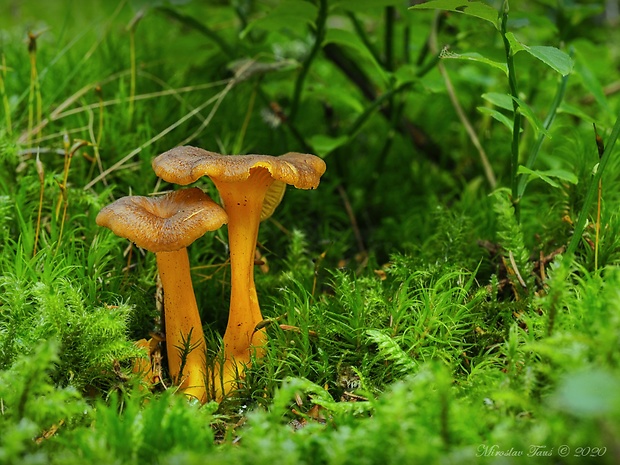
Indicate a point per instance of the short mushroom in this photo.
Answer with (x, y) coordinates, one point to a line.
(144, 366)
(167, 225)
(251, 187)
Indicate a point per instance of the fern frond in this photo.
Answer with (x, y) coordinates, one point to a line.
(390, 350)
(510, 235)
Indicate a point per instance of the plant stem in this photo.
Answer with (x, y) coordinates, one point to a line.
(32, 53)
(200, 27)
(318, 42)
(516, 126)
(62, 196)
(407, 44)
(132, 79)
(132, 57)
(486, 165)
(598, 223)
(390, 13)
(246, 121)
(420, 139)
(5, 99)
(359, 29)
(600, 145)
(559, 96)
(370, 109)
(99, 137)
(63, 199)
(41, 174)
(592, 189)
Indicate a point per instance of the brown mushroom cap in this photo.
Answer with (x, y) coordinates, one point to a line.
(166, 223)
(186, 164)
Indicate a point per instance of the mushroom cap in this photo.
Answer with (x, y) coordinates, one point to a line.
(186, 164)
(166, 223)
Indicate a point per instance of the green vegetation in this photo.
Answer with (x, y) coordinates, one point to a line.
(450, 293)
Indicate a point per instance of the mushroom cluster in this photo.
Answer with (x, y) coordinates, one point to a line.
(250, 187)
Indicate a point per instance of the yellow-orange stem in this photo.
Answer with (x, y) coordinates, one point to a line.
(181, 316)
(243, 202)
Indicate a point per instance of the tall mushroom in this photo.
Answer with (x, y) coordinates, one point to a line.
(167, 225)
(251, 187)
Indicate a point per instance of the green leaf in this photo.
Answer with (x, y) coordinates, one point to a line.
(515, 45)
(591, 82)
(497, 116)
(476, 9)
(549, 176)
(551, 56)
(575, 111)
(351, 40)
(529, 114)
(406, 73)
(505, 101)
(474, 56)
(323, 145)
(346, 38)
(336, 97)
(288, 13)
(499, 100)
(360, 5)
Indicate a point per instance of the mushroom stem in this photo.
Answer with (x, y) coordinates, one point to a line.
(182, 321)
(243, 206)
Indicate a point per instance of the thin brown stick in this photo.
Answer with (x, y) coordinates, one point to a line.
(486, 166)
(153, 139)
(54, 115)
(516, 269)
(149, 95)
(216, 100)
(608, 90)
(352, 219)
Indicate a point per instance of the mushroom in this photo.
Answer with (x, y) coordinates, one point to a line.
(143, 366)
(251, 187)
(167, 225)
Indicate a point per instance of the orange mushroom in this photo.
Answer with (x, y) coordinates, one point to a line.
(251, 187)
(167, 225)
(145, 366)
